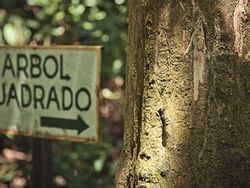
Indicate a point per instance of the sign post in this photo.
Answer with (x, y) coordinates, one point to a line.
(42, 171)
(50, 92)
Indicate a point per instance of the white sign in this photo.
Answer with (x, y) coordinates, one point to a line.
(50, 92)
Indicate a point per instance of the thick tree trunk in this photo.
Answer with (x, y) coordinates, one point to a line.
(187, 112)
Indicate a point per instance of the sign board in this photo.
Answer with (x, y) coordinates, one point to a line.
(50, 92)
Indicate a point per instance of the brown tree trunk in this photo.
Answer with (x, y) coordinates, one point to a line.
(187, 111)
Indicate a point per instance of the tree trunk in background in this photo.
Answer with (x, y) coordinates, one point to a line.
(187, 111)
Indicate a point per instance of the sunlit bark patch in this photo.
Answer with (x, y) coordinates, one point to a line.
(240, 15)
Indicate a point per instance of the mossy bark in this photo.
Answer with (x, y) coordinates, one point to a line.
(187, 112)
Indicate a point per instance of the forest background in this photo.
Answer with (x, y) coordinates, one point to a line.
(70, 22)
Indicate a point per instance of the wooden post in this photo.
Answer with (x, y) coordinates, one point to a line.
(1, 142)
(42, 164)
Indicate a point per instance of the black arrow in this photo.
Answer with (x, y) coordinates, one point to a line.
(74, 124)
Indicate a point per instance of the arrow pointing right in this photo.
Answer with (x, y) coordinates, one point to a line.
(73, 124)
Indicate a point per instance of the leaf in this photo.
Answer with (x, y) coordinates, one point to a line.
(98, 164)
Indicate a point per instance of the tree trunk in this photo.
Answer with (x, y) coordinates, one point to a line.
(187, 103)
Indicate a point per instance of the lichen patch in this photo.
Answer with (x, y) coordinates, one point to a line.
(240, 15)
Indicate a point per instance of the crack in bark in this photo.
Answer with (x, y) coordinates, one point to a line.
(164, 126)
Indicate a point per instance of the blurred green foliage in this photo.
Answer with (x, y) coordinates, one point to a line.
(80, 22)
(86, 166)
(7, 171)
(85, 22)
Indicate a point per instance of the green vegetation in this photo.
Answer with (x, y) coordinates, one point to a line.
(85, 22)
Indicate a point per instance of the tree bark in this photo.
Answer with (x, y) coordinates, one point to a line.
(187, 112)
